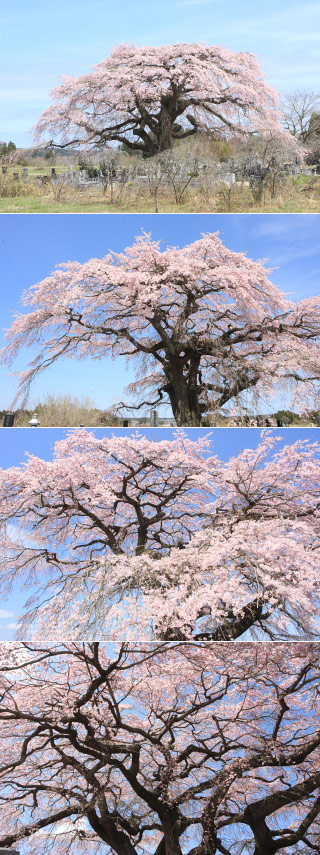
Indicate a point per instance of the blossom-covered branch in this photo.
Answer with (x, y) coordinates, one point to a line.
(149, 97)
(160, 749)
(202, 324)
(132, 538)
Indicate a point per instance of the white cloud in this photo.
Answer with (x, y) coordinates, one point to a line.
(193, 2)
(66, 827)
(6, 614)
(269, 23)
(22, 94)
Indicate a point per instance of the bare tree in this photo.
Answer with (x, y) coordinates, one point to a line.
(155, 173)
(265, 161)
(179, 172)
(298, 110)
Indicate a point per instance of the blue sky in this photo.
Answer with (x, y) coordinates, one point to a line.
(15, 442)
(40, 41)
(31, 246)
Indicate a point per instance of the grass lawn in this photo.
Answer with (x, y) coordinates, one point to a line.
(300, 196)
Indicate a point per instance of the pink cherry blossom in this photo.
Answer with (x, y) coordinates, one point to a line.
(202, 324)
(128, 538)
(143, 749)
(150, 96)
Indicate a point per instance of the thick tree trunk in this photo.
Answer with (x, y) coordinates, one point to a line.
(184, 401)
(228, 631)
(171, 836)
(165, 128)
(108, 832)
(264, 842)
(264, 850)
(240, 623)
(186, 415)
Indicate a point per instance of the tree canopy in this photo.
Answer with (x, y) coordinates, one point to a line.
(128, 538)
(203, 325)
(301, 115)
(7, 148)
(160, 749)
(149, 97)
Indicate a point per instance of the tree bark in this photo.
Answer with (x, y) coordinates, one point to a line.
(228, 631)
(165, 128)
(185, 414)
(184, 399)
(110, 834)
(171, 835)
(245, 620)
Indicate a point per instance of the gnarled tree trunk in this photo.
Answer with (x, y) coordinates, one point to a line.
(184, 397)
(165, 128)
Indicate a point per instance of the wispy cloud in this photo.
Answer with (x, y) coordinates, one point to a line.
(193, 2)
(16, 94)
(292, 255)
(5, 614)
(289, 232)
(269, 23)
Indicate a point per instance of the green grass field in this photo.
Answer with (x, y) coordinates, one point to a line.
(41, 168)
(299, 195)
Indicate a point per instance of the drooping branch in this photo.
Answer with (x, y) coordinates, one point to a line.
(203, 325)
(236, 738)
(146, 98)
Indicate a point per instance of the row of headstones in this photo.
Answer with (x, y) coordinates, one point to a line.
(25, 172)
(76, 178)
(9, 852)
(82, 178)
(154, 421)
(80, 181)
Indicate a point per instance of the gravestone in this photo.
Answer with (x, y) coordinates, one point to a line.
(34, 422)
(9, 852)
(8, 421)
